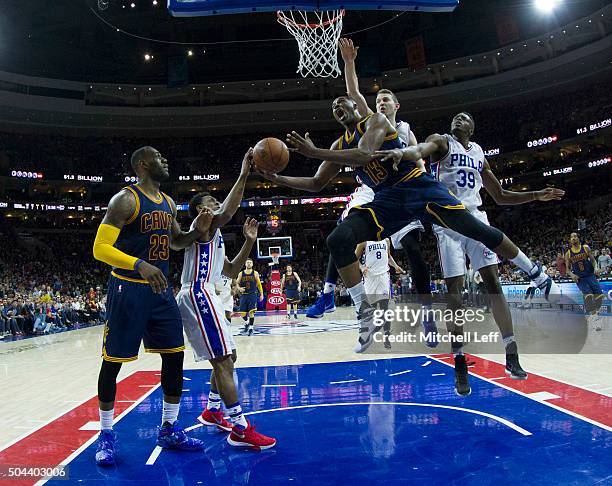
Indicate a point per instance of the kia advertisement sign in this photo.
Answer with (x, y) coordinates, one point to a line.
(276, 300)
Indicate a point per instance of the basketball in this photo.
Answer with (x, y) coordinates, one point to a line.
(271, 154)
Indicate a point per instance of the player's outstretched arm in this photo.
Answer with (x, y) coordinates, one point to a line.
(232, 269)
(324, 175)
(505, 197)
(434, 146)
(392, 262)
(349, 53)
(180, 239)
(121, 211)
(377, 127)
(232, 201)
(592, 259)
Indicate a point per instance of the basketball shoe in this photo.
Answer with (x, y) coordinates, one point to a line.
(513, 367)
(171, 436)
(105, 453)
(367, 328)
(209, 417)
(462, 385)
(323, 305)
(249, 438)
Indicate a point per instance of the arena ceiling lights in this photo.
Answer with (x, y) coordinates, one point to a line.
(547, 6)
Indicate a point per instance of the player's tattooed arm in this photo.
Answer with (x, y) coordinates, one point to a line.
(324, 175)
(392, 262)
(121, 210)
(299, 280)
(377, 127)
(232, 201)
(411, 143)
(505, 197)
(232, 268)
(238, 281)
(349, 54)
(435, 146)
(180, 239)
(282, 283)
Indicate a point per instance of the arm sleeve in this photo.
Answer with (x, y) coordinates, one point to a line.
(104, 250)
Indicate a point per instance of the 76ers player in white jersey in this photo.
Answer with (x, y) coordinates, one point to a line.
(203, 315)
(375, 259)
(462, 167)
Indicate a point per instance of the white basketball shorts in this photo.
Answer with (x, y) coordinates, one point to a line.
(396, 238)
(377, 287)
(453, 248)
(204, 322)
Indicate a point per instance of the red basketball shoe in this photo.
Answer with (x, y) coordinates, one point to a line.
(250, 438)
(208, 417)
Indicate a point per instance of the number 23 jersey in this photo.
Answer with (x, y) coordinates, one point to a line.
(461, 171)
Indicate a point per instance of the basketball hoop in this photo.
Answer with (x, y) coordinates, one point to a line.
(317, 35)
(275, 257)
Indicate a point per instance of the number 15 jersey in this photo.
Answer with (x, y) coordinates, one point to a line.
(461, 171)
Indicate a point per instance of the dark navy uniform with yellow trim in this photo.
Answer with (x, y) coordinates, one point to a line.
(402, 195)
(250, 296)
(583, 269)
(134, 312)
(291, 289)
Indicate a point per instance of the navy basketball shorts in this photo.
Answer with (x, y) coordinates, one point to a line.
(248, 303)
(589, 285)
(422, 198)
(293, 297)
(136, 314)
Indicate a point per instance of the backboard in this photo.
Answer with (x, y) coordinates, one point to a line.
(194, 8)
(266, 246)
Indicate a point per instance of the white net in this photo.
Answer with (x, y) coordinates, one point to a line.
(317, 35)
(275, 259)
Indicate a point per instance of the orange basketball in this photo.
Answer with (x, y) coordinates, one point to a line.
(271, 155)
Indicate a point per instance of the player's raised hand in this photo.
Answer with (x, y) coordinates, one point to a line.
(203, 220)
(303, 145)
(549, 194)
(154, 276)
(271, 176)
(247, 162)
(249, 230)
(347, 50)
(394, 155)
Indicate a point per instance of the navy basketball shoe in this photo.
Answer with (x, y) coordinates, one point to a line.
(171, 436)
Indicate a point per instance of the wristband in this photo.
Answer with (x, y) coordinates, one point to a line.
(137, 264)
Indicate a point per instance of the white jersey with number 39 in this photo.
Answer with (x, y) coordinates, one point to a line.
(460, 170)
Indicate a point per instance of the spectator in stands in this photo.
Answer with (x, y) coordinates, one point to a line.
(604, 262)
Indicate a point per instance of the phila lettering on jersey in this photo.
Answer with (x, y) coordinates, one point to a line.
(461, 171)
(203, 262)
(376, 257)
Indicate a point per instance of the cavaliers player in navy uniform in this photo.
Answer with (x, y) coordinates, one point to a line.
(250, 287)
(135, 238)
(291, 284)
(403, 192)
(582, 269)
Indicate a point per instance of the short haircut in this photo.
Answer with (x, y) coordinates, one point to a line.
(137, 156)
(195, 201)
(389, 92)
(469, 115)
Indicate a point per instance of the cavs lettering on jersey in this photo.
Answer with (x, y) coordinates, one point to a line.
(203, 262)
(581, 263)
(249, 283)
(376, 257)
(377, 174)
(146, 235)
(461, 171)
